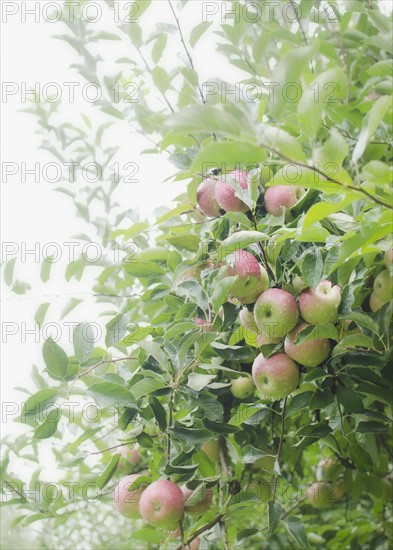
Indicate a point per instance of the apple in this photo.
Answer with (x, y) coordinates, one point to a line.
(206, 198)
(276, 313)
(206, 326)
(225, 193)
(263, 340)
(298, 284)
(320, 305)
(282, 196)
(246, 318)
(275, 377)
(242, 387)
(200, 507)
(248, 274)
(309, 353)
(323, 493)
(388, 259)
(375, 302)
(212, 449)
(129, 458)
(328, 469)
(162, 504)
(383, 286)
(127, 502)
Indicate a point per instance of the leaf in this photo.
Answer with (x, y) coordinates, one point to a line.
(55, 359)
(205, 467)
(116, 329)
(370, 124)
(198, 381)
(159, 47)
(221, 292)
(321, 429)
(47, 428)
(109, 393)
(296, 529)
(228, 154)
(127, 417)
(191, 436)
(350, 400)
(371, 427)
(154, 349)
(238, 241)
(362, 320)
(161, 78)
(361, 458)
(275, 513)
(159, 412)
(9, 271)
(37, 402)
(282, 142)
(83, 341)
(184, 242)
(40, 313)
(312, 267)
(144, 270)
(219, 427)
(334, 150)
(198, 31)
(109, 471)
(70, 306)
(252, 454)
(146, 386)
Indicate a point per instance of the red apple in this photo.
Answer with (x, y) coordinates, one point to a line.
(320, 305)
(248, 274)
(276, 313)
(282, 196)
(275, 377)
(225, 193)
(162, 504)
(127, 502)
(200, 507)
(206, 198)
(309, 353)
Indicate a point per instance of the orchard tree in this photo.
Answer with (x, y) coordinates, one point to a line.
(244, 383)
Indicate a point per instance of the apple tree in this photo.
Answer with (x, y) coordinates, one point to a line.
(243, 381)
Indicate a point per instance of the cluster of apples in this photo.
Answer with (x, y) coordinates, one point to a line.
(217, 194)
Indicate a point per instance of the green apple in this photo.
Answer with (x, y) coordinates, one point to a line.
(309, 353)
(242, 387)
(212, 449)
(162, 504)
(323, 494)
(328, 469)
(276, 313)
(383, 286)
(320, 305)
(298, 284)
(375, 302)
(275, 377)
(247, 272)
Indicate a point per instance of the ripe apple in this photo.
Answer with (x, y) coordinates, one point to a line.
(248, 274)
(324, 493)
(200, 507)
(225, 193)
(129, 458)
(328, 469)
(309, 353)
(320, 305)
(212, 449)
(276, 313)
(242, 387)
(375, 302)
(383, 286)
(206, 198)
(282, 196)
(127, 502)
(246, 318)
(275, 377)
(162, 504)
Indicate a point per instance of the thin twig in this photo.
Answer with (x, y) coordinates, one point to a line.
(201, 530)
(224, 534)
(279, 446)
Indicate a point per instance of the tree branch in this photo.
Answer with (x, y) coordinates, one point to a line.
(201, 530)
(279, 446)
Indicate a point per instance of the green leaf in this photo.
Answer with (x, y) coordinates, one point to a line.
(159, 412)
(373, 119)
(159, 47)
(109, 472)
(37, 402)
(312, 267)
(109, 393)
(184, 242)
(362, 320)
(144, 270)
(47, 428)
(55, 359)
(238, 241)
(154, 349)
(70, 306)
(252, 454)
(83, 341)
(146, 386)
(321, 429)
(127, 417)
(205, 467)
(198, 31)
(296, 529)
(282, 142)
(230, 154)
(333, 151)
(116, 329)
(9, 271)
(219, 427)
(275, 513)
(198, 381)
(371, 427)
(40, 313)
(361, 458)
(161, 78)
(191, 436)
(221, 292)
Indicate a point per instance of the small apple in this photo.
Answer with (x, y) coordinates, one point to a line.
(242, 387)
(383, 286)
(388, 258)
(275, 377)
(200, 507)
(127, 502)
(298, 284)
(248, 273)
(282, 196)
(225, 193)
(162, 504)
(206, 198)
(375, 302)
(323, 493)
(328, 469)
(276, 313)
(309, 353)
(129, 458)
(320, 305)
(212, 449)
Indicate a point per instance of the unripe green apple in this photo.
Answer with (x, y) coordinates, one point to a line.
(263, 285)
(206, 198)
(320, 305)
(383, 286)
(298, 284)
(246, 318)
(309, 353)
(375, 302)
(225, 193)
(200, 507)
(162, 504)
(212, 449)
(242, 387)
(127, 502)
(276, 313)
(328, 469)
(282, 197)
(275, 377)
(323, 494)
